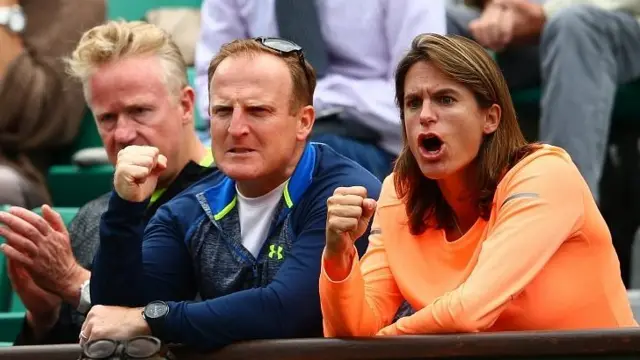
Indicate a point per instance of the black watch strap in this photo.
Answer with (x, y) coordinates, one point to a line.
(155, 314)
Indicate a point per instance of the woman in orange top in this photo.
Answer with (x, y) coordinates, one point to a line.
(476, 229)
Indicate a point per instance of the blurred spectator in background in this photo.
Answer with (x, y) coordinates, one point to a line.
(136, 86)
(40, 108)
(354, 47)
(581, 51)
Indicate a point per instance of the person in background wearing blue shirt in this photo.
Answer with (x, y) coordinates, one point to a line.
(248, 243)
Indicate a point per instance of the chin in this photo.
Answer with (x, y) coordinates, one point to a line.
(435, 171)
(240, 172)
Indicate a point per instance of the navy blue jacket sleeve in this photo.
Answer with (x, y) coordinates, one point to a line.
(124, 273)
(288, 307)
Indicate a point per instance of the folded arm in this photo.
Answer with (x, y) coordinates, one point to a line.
(125, 274)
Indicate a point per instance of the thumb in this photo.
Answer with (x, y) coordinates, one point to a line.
(54, 219)
(161, 165)
(368, 209)
(161, 162)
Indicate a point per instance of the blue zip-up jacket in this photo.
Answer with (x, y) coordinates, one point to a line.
(192, 246)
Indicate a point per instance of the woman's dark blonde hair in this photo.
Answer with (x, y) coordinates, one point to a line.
(469, 64)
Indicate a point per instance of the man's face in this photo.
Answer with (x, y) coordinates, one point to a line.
(132, 106)
(255, 133)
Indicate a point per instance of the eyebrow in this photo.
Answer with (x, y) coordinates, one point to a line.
(438, 92)
(446, 90)
(220, 107)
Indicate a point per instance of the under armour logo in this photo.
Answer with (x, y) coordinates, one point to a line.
(275, 250)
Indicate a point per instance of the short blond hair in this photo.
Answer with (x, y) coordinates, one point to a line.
(115, 40)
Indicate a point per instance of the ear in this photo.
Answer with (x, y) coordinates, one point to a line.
(492, 119)
(187, 105)
(307, 117)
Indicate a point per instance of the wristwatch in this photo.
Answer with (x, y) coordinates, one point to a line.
(155, 313)
(13, 18)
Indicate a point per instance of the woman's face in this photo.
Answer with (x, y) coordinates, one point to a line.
(444, 124)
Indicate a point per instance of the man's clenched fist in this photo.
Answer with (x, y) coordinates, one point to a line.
(137, 172)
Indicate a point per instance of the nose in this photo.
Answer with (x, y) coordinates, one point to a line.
(238, 126)
(125, 131)
(427, 113)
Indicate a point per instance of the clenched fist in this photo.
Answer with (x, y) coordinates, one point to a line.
(348, 214)
(137, 172)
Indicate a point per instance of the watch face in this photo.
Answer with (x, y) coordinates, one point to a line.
(156, 309)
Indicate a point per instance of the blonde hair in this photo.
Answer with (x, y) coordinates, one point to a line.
(115, 40)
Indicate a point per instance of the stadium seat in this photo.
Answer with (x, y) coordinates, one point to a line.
(136, 10)
(198, 121)
(71, 185)
(5, 285)
(74, 186)
(626, 108)
(10, 325)
(16, 304)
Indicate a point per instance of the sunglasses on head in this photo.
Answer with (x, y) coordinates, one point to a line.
(139, 347)
(285, 47)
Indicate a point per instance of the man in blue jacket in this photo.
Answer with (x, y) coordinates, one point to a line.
(248, 243)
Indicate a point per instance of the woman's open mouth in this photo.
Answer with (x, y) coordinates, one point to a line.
(431, 145)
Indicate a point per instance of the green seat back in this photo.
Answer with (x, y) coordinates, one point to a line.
(74, 186)
(87, 137)
(197, 118)
(136, 9)
(10, 325)
(626, 105)
(5, 284)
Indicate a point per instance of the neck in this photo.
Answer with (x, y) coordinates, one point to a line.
(460, 192)
(263, 185)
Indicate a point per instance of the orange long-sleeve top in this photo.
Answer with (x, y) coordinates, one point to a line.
(543, 260)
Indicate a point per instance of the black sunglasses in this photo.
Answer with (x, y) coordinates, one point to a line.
(139, 347)
(285, 47)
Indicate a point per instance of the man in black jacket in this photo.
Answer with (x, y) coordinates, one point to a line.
(134, 80)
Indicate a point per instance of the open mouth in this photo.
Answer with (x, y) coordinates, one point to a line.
(431, 143)
(240, 150)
